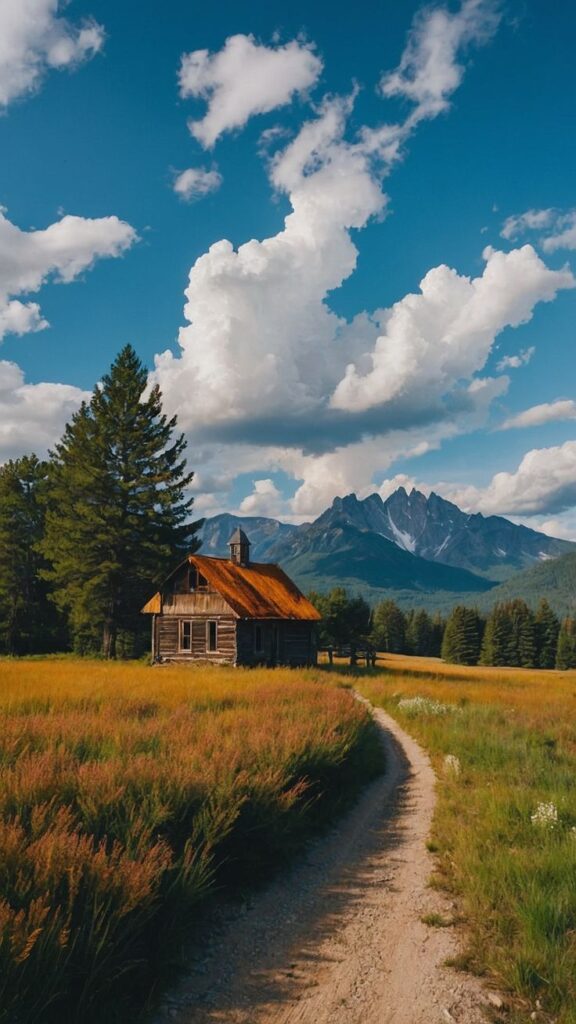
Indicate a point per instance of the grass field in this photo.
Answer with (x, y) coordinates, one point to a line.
(128, 793)
(503, 742)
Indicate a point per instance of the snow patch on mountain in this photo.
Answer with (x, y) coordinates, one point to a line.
(402, 539)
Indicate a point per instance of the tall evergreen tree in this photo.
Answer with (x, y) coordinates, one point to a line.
(510, 636)
(566, 652)
(389, 628)
(438, 627)
(419, 633)
(117, 514)
(462, 636)
(547, 627)
(28, 622)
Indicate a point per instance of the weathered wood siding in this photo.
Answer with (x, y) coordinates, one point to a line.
(284, 642)
(168, 638)
(198, 603)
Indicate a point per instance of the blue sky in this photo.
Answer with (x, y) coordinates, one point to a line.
(290, 384)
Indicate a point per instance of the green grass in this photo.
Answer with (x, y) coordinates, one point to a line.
(515, 741)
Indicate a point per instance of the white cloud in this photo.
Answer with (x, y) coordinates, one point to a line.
(560, 225)
(445, 334)
(522, 358)
(61, 251)
(195, 182)
(268, 371)
(531, 220)
(34, 39)
(548, 412)
(243, 79)
(565, 235)
(543, 483)
(32, 416)
(265, 500)
(429, 70)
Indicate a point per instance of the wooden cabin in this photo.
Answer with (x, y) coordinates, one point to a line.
(232, 611)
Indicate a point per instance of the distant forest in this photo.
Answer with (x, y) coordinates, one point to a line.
(511, 634)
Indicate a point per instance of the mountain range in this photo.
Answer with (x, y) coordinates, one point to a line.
(420, 550)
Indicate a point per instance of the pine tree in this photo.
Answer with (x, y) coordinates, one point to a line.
(462, 636)
(438, 627)
(510, 636)
(28, 622)
(566, 652)
(547, 627)
(117, 515)
(419, 633)
(389, 628)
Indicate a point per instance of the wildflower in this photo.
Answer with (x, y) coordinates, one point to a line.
(545, 816)
(452, 765)
(414, 706)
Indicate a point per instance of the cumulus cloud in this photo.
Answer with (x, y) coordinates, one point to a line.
(548, 412)
(543, 483)
(195, 182)
(265, 500)
(432, 340)
(32, 416)
(430, 69)
(60, 252)
(266, 365)
(243, 79)
(34, 40)
(522, 358)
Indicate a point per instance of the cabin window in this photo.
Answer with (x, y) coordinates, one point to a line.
(258, 645)
(211, 636)
(196, 581)
(186, 635)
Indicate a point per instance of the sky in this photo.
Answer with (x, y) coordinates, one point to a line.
(341, 238)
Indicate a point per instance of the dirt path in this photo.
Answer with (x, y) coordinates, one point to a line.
(340, 939)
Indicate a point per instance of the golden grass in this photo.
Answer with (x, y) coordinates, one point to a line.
(127, 791)
(513, 733)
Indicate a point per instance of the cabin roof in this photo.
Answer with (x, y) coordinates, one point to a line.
(259, 590)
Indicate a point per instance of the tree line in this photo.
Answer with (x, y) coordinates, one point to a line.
(86, 534)
(512, 634)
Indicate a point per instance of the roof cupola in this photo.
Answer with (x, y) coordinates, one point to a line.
(239, 547)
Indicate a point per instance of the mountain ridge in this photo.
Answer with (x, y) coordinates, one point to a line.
(418, 549)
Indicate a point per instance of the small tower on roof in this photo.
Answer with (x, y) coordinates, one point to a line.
(239, 547)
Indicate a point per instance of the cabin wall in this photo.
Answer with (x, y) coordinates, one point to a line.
(168, 632)
(284, 642)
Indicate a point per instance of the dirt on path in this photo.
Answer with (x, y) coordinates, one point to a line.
(340, 938)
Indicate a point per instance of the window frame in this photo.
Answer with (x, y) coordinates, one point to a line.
(182, 623)
(209, 648)
(194, 584)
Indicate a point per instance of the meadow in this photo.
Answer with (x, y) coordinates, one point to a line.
(129, 795)
(503, 742)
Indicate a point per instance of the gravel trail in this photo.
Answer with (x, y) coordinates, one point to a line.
(339, 939)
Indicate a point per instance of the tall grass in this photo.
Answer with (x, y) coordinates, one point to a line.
(505, 827)
(128, 793)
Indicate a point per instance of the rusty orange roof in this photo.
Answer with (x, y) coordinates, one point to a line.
(258, 590)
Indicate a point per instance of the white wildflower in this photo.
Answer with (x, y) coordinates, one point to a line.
(545, 816)
(452, 765)
(414, 706)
